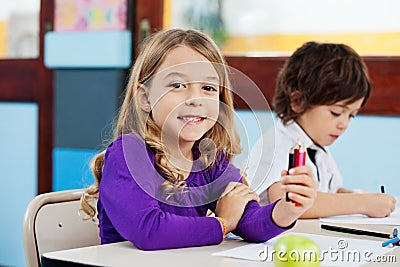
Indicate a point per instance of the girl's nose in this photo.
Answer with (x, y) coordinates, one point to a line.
(194, 95)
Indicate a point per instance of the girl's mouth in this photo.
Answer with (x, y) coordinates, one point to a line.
(192, 119)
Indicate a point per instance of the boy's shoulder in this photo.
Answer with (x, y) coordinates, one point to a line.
(290, 133)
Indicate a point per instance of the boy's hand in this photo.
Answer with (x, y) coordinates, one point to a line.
(378, 205)
(231, 204)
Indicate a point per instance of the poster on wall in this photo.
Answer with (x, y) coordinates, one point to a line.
(90, 15)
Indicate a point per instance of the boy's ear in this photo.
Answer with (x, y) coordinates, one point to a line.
(296, 101)
(143, 98)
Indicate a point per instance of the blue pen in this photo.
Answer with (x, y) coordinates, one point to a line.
(395, 234)
(390, 241)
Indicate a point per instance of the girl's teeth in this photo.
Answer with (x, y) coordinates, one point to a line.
(191, 119)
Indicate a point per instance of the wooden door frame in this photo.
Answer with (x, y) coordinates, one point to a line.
(384, 71)
(27, 80)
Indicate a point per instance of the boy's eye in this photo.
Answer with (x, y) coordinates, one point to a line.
(335, 114)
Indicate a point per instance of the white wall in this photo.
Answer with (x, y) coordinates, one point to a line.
(19, 6)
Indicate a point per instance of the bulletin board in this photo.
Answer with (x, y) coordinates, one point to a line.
(90, 15)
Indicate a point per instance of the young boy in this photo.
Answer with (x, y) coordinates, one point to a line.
(320, 89)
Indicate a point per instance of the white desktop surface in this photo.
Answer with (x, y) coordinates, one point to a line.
(125, 254)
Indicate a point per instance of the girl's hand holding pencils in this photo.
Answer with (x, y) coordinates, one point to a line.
(297, 158)
(302, 190)
(300, 187)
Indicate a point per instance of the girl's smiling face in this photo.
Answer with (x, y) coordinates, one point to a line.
(184, 96)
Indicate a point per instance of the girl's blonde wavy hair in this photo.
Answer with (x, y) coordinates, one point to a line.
(132, 119)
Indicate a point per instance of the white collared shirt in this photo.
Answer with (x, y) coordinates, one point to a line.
(269, 157)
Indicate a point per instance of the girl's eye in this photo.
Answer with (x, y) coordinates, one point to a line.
(352, 116)
(177, 85)
(209, 88)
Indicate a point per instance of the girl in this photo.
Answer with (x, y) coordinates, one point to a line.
(319, 90)
(170, 159)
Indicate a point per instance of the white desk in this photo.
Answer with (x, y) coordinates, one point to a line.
(125, 254)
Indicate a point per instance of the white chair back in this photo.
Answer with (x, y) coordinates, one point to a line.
(53, 221)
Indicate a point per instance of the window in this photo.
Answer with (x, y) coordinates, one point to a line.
(263, 68)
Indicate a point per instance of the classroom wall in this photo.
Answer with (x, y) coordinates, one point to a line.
(84, 114)
(18, 175)
(366, 154)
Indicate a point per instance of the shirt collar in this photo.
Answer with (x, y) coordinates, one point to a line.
(295, 132)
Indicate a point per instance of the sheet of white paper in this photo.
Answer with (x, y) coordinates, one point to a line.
(393, 219)
(334, 251)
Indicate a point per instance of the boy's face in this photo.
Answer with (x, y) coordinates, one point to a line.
(325, 123)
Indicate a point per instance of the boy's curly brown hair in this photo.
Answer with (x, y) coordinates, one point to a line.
(320, 74)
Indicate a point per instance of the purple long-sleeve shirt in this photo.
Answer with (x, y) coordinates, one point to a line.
(132, 205)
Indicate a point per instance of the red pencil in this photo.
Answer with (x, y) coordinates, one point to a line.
(300, 156)
(299, 159)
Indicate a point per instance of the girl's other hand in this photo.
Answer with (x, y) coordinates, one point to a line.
(231, 204)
